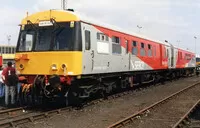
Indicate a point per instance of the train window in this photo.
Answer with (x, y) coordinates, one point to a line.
(29, 42)
(107, 39)
(142, 50)
(87, 40)
(142, 45)
(115, 39)
(149, 46)
(134, 50)
(187, 56)
(98, 36)
(155, 51)
(26, 41)
(116, 49)
(134, 43)
(149, 50)
(102, 37)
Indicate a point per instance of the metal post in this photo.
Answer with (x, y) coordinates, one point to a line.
(64, 4)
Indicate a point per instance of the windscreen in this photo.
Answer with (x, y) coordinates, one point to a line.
(59, 37)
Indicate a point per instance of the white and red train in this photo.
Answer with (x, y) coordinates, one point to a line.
(60, 53)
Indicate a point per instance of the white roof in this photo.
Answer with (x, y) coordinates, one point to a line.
(90, 20)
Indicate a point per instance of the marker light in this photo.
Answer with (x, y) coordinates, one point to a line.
(53, 67)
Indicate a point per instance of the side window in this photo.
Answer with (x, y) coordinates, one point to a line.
(102, 37)
(149, 50)
(87, 40)
(142, 49)
(116, 40)
(116, 47)
(134, 49)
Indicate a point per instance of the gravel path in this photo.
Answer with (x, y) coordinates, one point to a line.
(103, 114)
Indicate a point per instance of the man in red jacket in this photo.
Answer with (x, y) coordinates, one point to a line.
(10, 79)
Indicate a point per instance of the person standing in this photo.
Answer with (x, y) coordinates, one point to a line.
(2, 87)
(10, 79)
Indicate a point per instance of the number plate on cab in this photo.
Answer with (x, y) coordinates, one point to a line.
(45, 23)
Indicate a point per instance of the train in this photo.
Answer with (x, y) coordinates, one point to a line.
(197, 65)
(63, 56)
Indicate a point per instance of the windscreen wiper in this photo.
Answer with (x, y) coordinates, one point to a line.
(32, 25)
(53, 21)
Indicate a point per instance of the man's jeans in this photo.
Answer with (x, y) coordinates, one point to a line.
(10, 90)
(2, 89)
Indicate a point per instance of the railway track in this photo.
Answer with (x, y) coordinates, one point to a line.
(168, 112)
(185, 121)
(14, 119)
(11, 119)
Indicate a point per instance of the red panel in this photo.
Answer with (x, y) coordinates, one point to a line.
(160, 61)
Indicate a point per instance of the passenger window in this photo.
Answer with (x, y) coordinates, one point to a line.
(116, 47)
(116, 40)
(149, 50)
(142, 49)
(134, 44)
(87, 40)
(134, 49)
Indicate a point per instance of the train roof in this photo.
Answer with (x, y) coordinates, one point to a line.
(65, 15)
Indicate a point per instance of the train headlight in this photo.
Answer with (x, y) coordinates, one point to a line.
(63, 66)
(21, 66)
(54, 67)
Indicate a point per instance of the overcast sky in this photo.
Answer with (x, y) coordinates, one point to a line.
(174, 20)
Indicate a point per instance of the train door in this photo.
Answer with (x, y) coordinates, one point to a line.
(126, 57)
(172, 56)
(169, 56)
(87, 47)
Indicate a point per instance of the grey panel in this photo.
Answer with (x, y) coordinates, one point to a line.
(95, 62)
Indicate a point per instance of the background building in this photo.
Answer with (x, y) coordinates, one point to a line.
(8, 53)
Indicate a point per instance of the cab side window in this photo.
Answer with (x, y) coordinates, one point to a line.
(87, 40)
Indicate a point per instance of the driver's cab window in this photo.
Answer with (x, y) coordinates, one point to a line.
(26, 42)
(29, 42)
